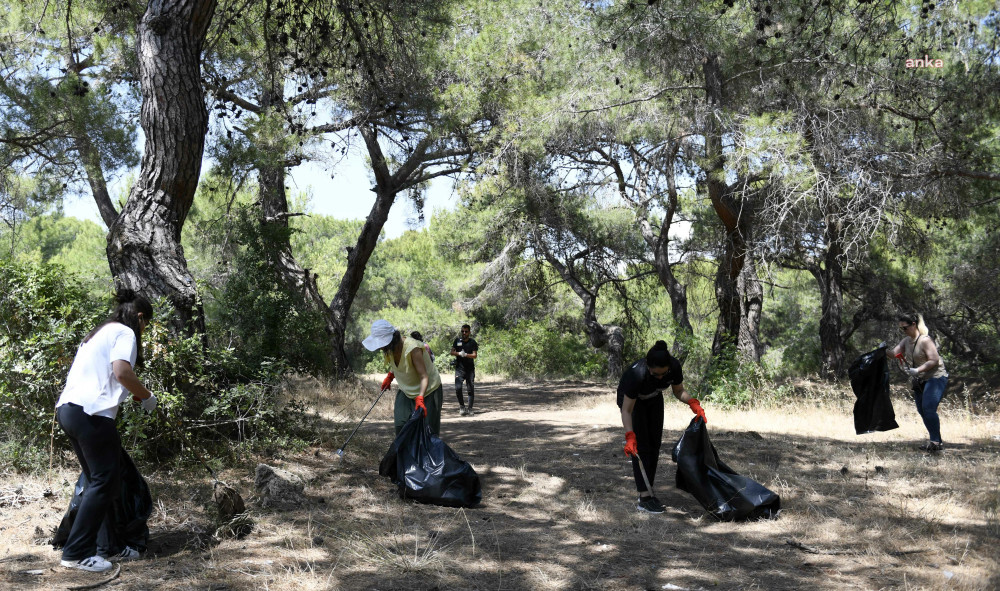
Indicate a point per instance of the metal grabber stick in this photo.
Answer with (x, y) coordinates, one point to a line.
(340, 452)
(645, 478)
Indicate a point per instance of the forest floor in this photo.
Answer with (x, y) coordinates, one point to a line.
(558, 510)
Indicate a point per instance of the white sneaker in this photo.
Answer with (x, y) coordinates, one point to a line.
(94, 564)
(129, 553)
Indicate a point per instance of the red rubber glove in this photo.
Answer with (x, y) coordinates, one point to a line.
(387, 381)
(631, 447)
(697, 409)
(420, 404)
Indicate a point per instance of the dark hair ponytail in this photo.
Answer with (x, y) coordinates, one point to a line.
(128, 306)
(658, 355)
(914, 318)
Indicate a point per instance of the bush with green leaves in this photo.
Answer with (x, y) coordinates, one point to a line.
(44, 314)
(210, 395)
(743, 385)
(540, 352)
(207, 393)
(250, 307)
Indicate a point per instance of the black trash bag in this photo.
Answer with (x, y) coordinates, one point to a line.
(427, 470)
(720, 490)
(131, 511)
(870, 381)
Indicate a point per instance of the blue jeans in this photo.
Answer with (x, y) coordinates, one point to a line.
(928, 398)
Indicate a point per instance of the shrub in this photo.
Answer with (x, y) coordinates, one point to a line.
(532, 349)
(210, 394)
(250, 306)
(731, 381)
(44, 314)
(206, 391)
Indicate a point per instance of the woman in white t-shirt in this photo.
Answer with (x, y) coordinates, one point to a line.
(100, 379)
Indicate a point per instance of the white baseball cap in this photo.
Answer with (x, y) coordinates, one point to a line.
(381, 335)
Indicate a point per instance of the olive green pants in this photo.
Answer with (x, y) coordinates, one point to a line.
(405, 405)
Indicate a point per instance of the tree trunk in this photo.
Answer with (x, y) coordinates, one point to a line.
(91, 159)
(273, 204)
(731, 261)
(610, 338)
(751, 303)
(144, 243)
(616, 352)
(659, 243)
(357, 258)
(830, 279)
(727, 328)
(737, 288)
(274, 213)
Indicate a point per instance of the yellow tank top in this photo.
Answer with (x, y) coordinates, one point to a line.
(407, 377)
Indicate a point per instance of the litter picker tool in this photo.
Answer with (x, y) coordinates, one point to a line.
(340, 452)
(645, 478)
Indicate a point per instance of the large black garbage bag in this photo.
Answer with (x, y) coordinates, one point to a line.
(720, 490)
(870, 381)
(427, 470)
(131, 509)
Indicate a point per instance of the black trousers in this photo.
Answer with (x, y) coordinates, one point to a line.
(98, 447)
(647, 422)
(465, 375)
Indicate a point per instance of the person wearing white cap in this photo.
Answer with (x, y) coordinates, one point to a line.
(418, 380)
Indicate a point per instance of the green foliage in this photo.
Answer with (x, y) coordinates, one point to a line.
(210, 394)
(248, 306)
(790, 329)
(44, 315)
(533, 349)
(77, 245)
(732, 382)
(207, 392)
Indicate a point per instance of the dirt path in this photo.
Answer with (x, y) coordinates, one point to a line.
(559, 512)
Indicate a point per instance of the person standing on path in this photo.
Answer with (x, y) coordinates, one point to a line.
(417, 378)
(465, 350)
(100, 379)
(640, 398)
(926, 370)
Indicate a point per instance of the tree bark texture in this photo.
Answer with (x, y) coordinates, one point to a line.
(737, 290)
(144, 243)
(831, 279)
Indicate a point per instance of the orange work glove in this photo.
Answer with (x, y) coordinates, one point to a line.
(697, 409)
(420, 404)
(387, 381)
(631, 447)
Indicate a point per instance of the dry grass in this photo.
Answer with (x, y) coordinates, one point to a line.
(558, 510)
